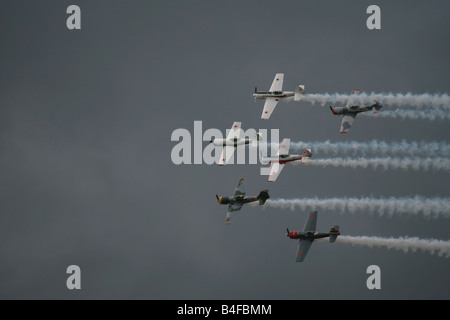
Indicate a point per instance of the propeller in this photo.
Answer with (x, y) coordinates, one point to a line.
(287, 230)
(217, 197)
(332, 110)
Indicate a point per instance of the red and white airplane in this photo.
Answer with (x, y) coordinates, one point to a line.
(276, 93)
(283, 157)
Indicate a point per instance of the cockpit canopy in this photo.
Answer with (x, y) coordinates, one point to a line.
(277, 92)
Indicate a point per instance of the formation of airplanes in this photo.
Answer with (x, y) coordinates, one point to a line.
(282, 157)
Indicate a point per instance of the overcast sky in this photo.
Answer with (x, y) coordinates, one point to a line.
(86, 176)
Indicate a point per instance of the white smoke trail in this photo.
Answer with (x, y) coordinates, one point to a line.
(416, 164)
(409, 206)
(410, 114)
(419, 101)
(405, 244)
(381, 148)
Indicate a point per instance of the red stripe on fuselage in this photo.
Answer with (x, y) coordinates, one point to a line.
(286, 161)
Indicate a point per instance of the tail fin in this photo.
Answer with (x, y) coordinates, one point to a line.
(334, 232)
(306, 155)
(376, 106)
(299, 92)
(263, 196)
(300, 89)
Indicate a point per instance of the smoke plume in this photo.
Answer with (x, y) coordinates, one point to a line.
(406, 206)
(405, 244)
(398, 100)
(416, 164)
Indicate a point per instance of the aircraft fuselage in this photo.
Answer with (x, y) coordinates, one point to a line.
(231, 143)
(354, 109)
(274, 94)
(351, 109)
(283, 159)
(237, 199)
(307, 235)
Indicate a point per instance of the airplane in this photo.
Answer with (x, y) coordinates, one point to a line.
(275, 94)
(283, 157)
(350, 111)
(238, 199)
(233, 141)
(309, 234)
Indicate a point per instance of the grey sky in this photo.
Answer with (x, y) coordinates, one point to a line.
(85, 123)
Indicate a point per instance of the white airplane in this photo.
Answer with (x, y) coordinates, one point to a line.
(283, 157)
(232, 142)
(276, 94)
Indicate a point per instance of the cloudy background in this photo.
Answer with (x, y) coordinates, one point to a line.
(86, 176)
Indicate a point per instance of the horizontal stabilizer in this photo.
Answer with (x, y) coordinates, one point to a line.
(334, 232)
(299, 92)
(376, 106)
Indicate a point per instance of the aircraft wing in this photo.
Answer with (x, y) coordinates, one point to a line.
(275, 170)
(347, 121)
(235, 131)
(239, 191)
(283, 149)
(351, 99)
(226, 154)
(269, 106)
(232, 208)
(303, 248)
(277, 84)
(311, 222)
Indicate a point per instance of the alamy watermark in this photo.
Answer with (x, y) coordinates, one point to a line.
(191, 147)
